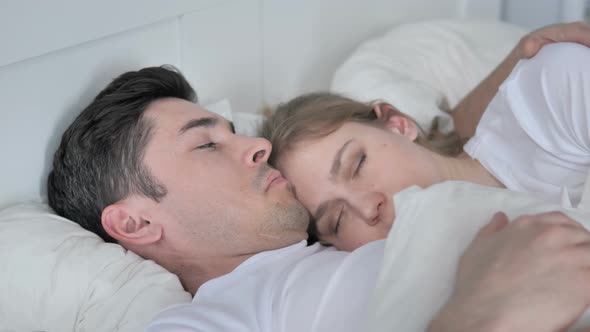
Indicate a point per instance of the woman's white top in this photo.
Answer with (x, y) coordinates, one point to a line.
(535, 134)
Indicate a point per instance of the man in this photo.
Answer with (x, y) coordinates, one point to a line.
(146, 167)
(143, 164)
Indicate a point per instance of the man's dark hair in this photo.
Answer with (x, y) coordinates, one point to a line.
(99, 159)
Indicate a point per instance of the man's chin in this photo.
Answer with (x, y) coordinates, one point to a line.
(290, 217)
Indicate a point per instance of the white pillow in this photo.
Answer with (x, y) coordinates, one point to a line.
(247, 123)
(221, 107)
(425, 68)
(244, 123)
(56, 276)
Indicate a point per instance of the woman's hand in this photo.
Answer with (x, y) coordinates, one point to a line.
(577, 32)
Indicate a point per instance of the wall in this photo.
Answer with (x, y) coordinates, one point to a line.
(56, 55)
(536, 13)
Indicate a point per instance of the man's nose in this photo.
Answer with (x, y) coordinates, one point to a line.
(257, 151)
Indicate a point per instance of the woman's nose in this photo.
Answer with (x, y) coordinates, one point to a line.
(370, 207)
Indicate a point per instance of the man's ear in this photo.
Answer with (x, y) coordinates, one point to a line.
(396, 121)
(125, 224)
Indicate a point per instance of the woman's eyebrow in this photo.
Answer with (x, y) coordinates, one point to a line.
(321, 210)
(337, 161)
(319, 216)
(324, 208)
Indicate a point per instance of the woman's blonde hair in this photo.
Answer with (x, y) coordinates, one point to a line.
(315, 115)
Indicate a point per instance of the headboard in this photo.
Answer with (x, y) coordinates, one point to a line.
(56, 55)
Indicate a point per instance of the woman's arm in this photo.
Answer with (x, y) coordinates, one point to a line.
(468, 112)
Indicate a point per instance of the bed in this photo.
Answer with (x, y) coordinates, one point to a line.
(240, 55)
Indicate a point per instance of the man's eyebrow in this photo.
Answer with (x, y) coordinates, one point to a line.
(337, 162)
(198, 123)
(232, 128)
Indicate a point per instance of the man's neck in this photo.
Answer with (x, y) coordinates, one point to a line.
(193, 273)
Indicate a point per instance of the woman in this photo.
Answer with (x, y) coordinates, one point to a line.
(346, 159)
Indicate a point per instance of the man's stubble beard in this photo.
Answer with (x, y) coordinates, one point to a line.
(282, 218)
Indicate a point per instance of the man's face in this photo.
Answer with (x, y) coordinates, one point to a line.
(222, 197)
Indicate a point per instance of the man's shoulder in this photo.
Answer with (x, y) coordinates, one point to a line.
(247, 296)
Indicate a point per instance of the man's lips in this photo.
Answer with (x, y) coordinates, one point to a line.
(274, 177)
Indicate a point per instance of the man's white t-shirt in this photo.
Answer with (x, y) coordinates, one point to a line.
(297, 288)
(535, 134)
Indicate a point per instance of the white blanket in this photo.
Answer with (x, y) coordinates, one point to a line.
(432, 229)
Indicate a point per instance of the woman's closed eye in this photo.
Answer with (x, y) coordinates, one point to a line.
(361, 161)
(338, 220)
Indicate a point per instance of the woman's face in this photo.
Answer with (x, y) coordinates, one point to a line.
(347, 180)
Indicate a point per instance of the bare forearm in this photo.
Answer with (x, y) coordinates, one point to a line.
(455, 317)
(468, 112)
